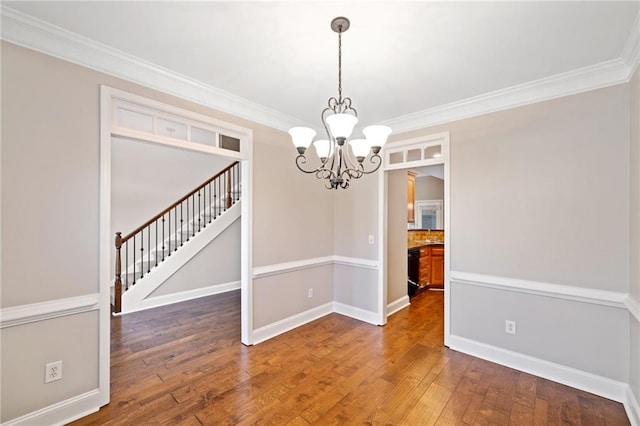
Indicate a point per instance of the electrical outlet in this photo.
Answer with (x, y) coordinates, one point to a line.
(53, 371)
(310, 293)
(510, 327)
(370, 239)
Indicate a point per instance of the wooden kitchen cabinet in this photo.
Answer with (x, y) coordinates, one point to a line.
(425, 267)
(437, 266)
(411, 196)
(431, 266)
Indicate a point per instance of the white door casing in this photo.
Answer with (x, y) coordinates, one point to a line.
(111, 101)
(416, 152)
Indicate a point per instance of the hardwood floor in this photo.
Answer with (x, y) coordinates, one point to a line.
(184, 365)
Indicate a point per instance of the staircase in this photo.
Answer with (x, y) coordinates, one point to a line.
(164, 239)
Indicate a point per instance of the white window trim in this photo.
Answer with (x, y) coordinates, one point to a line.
(436, 205)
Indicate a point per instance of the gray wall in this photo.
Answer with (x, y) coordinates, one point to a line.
(429, 188)
(355, 217)
(147, 177)
(548, 187)
(634, 219)
(280, 296)
(49, 179)
(293, 213)
(27, 348)
(396, 235)
(587, 337)
(541, 193)
(50, 222)
(50, 138)
(217, 263)
(356, 287)
(539, 180)
(292, 220)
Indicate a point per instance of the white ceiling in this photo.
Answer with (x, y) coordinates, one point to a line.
(398, 57)
(435, 171)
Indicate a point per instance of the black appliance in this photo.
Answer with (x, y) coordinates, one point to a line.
(413, 266)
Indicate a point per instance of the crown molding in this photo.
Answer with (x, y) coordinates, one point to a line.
(26, 31)
(581, 80)
(35, 34)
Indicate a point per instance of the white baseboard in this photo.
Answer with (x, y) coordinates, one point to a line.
(62, 412)
(632, 407)
(398, 305)
(357, 313)
(168, 299)
(272, 330)
(578, 379)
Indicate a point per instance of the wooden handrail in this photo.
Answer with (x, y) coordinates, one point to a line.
(189, 194)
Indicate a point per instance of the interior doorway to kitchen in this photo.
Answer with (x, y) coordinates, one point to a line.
(395, 208)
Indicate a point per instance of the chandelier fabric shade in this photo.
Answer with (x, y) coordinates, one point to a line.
(341, 158)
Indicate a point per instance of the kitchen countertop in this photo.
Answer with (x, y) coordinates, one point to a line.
(418, 244)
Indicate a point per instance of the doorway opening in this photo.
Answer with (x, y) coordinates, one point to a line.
(125, 116)
(428, 152)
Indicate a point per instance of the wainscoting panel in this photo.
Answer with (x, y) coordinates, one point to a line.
(291, 292)
(28, 345)
(356, 286)
(304, 290)
(575, 336)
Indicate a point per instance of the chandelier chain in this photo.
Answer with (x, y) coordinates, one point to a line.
(340, 65)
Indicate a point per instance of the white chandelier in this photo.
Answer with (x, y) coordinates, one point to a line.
(341, 158)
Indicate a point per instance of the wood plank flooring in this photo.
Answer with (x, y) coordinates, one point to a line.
(184, 365)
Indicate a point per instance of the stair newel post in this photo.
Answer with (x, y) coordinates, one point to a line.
(117, 303)
(228, 179)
